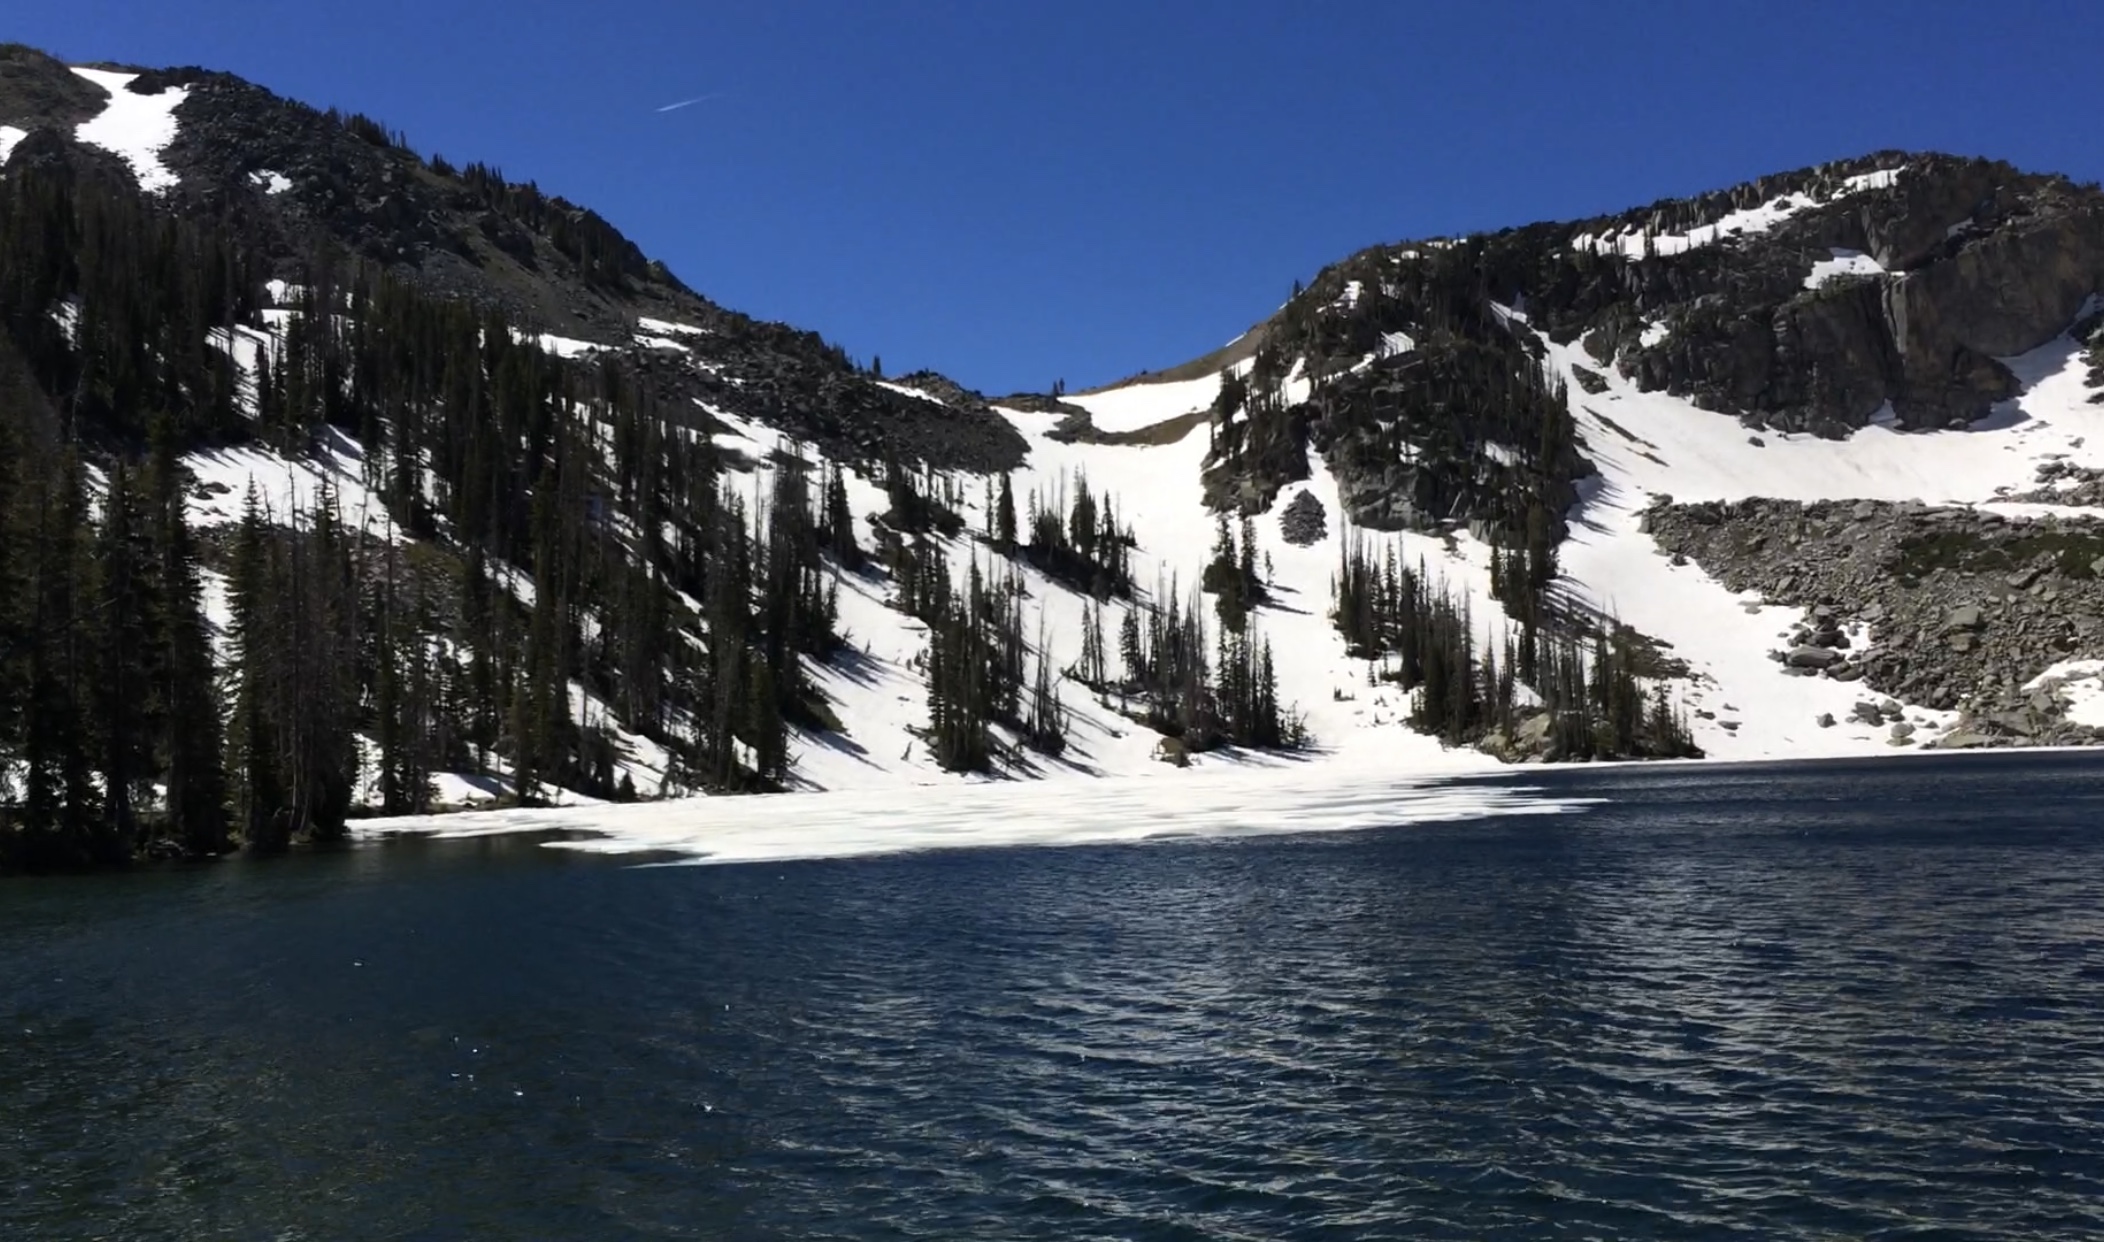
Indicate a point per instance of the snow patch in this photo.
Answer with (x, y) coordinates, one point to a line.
(10, 137)
(1843, 263)
(286, 485)
(135, 127)
(2080, 685)
(271, 182)
(559, 346)
(1637, 244)
(1883, 179)
(665, 327)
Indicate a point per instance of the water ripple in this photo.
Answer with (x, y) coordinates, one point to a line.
(1735, 1006)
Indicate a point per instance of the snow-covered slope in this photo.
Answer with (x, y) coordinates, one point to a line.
(1645, 445)
(1650, 444)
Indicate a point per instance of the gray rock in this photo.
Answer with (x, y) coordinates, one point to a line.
(1902, 732)
(1813, 657)
(1964, 617)
(1826, 720)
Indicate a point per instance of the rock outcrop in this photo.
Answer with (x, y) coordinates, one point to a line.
(1952, 608)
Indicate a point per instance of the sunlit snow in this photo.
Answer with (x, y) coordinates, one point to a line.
(1843, 263)
(9, 138)
(136, 127)
(744, 830)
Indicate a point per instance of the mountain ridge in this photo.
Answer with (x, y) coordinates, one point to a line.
(596, 536)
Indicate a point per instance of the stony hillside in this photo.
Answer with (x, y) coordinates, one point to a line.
(476, 502)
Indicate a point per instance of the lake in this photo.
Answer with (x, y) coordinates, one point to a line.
(1859, 1000)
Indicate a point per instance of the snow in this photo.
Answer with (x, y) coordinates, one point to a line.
(1758, 219)
(778, 829)
(1883, 179)
(283, 484)
(9, 138)
(868, 790)
(559, 346)
(2080, 685)
(1394, 344)
(135, 127)
(916, 393)
(665, 327)
(1843, 263)
(271, 182)
(1141, 405)
(1654, 332)
(1650, 444)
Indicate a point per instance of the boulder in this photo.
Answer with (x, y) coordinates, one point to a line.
(1813, 657)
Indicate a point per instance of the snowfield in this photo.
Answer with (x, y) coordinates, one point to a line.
(136, 128)
(869, 788)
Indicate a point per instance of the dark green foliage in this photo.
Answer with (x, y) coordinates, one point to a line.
(1231, 576)
(1426, 642)
(119, 737)
(1075, 537)
(1205, 690)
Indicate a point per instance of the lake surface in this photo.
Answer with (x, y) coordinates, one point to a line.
(1845, 1000)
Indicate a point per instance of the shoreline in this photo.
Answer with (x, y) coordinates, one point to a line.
(1104, 811)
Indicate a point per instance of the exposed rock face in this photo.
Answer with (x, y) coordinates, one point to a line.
(38, 91)
(1961, 609)
(1812, 301)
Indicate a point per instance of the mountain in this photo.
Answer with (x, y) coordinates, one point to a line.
(343, 480)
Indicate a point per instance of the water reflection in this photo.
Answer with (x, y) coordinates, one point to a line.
(1828, 1002)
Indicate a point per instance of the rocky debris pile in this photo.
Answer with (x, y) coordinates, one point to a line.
(2061, 482)
(1304, 521)
(946, 390)
(1951, 608)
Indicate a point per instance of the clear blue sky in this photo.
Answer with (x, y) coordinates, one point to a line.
(1017, 192)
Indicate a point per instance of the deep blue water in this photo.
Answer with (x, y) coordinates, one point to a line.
(1847, 1001)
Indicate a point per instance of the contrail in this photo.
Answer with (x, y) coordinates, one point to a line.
(688, 103)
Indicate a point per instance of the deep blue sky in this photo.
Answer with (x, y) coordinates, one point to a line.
(1015, 193)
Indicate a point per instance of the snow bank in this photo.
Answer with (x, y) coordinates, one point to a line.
(778, 829)
(2080, 685)
(1651, 444)
(1842, 263)
(665, 327)
(136, 128)
(285, 484)
(1758, 219)
(10, 137)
